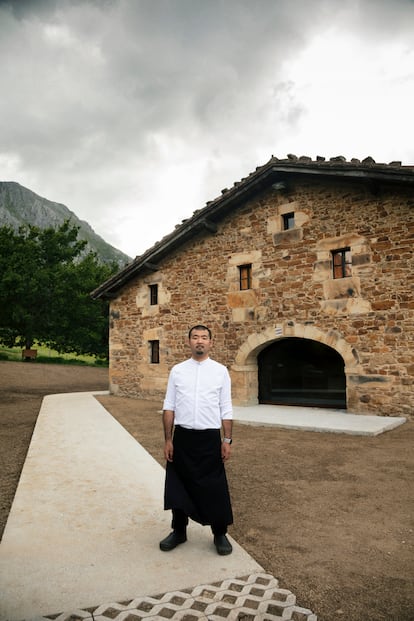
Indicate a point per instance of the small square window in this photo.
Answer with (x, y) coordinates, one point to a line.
(342, 263)
(154, 352)
(245, 273)
(288, 221)
(153, 294)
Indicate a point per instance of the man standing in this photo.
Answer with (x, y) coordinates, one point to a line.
(197, 406)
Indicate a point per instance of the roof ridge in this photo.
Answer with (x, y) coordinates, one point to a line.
(367, 161)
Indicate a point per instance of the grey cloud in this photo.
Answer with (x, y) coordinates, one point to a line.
(130, 68)
(158, 64)
(22, 9)
(98, 90)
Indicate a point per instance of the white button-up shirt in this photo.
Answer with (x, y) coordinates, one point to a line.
(199, 393)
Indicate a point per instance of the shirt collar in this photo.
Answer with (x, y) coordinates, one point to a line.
(201, 361)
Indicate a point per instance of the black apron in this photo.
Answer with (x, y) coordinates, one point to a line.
(196, 481)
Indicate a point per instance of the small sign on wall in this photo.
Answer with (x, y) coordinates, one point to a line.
(279, 331)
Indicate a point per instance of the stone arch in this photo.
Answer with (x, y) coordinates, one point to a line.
(244, 372)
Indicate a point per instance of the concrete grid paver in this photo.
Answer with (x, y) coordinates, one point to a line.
(255, 597)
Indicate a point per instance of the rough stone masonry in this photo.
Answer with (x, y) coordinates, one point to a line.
(367, 317)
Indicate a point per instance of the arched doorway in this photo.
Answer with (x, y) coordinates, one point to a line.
(299, 371)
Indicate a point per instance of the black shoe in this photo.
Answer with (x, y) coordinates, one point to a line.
(172, 541)
(223, 545)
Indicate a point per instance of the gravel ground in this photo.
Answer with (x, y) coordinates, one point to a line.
(330, 516)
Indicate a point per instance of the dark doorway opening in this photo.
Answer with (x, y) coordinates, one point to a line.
(297, 371)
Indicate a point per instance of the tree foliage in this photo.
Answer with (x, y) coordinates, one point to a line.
(45, 282)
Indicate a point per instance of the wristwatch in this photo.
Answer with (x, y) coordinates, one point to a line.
(227, 440)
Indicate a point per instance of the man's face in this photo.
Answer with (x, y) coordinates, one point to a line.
(200, 344)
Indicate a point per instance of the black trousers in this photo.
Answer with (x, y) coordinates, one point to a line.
(196, 484)
(180, 522)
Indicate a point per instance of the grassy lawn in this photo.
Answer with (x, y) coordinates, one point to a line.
(44, 354)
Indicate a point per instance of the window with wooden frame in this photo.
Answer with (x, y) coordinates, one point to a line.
(153, 290)
(245, 274)
(342, 263)
(154, 352)
(288, 221)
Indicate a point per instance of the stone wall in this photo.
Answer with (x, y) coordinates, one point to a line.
(368, 318)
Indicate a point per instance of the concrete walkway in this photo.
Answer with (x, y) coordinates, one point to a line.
(82, 535)
(316, 419)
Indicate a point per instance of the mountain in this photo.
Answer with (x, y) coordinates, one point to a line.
(20, 206)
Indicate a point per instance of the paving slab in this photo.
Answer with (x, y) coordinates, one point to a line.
(316, 419)
(81, 541)
(87, 519)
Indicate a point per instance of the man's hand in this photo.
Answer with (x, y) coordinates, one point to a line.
(227, 433)
(225, 451)
(168, 450)
(168, 424)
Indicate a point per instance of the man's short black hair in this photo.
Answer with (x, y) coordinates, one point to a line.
(200, 327)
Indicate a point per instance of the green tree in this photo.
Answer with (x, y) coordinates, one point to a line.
(45, 284)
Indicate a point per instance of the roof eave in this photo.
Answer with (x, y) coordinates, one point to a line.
(262, 177)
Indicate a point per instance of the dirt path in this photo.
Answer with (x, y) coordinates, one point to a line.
(331, 516)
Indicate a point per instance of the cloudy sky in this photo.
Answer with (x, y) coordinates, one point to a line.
(134, 113)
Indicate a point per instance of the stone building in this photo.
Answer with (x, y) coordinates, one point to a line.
(304, 272)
